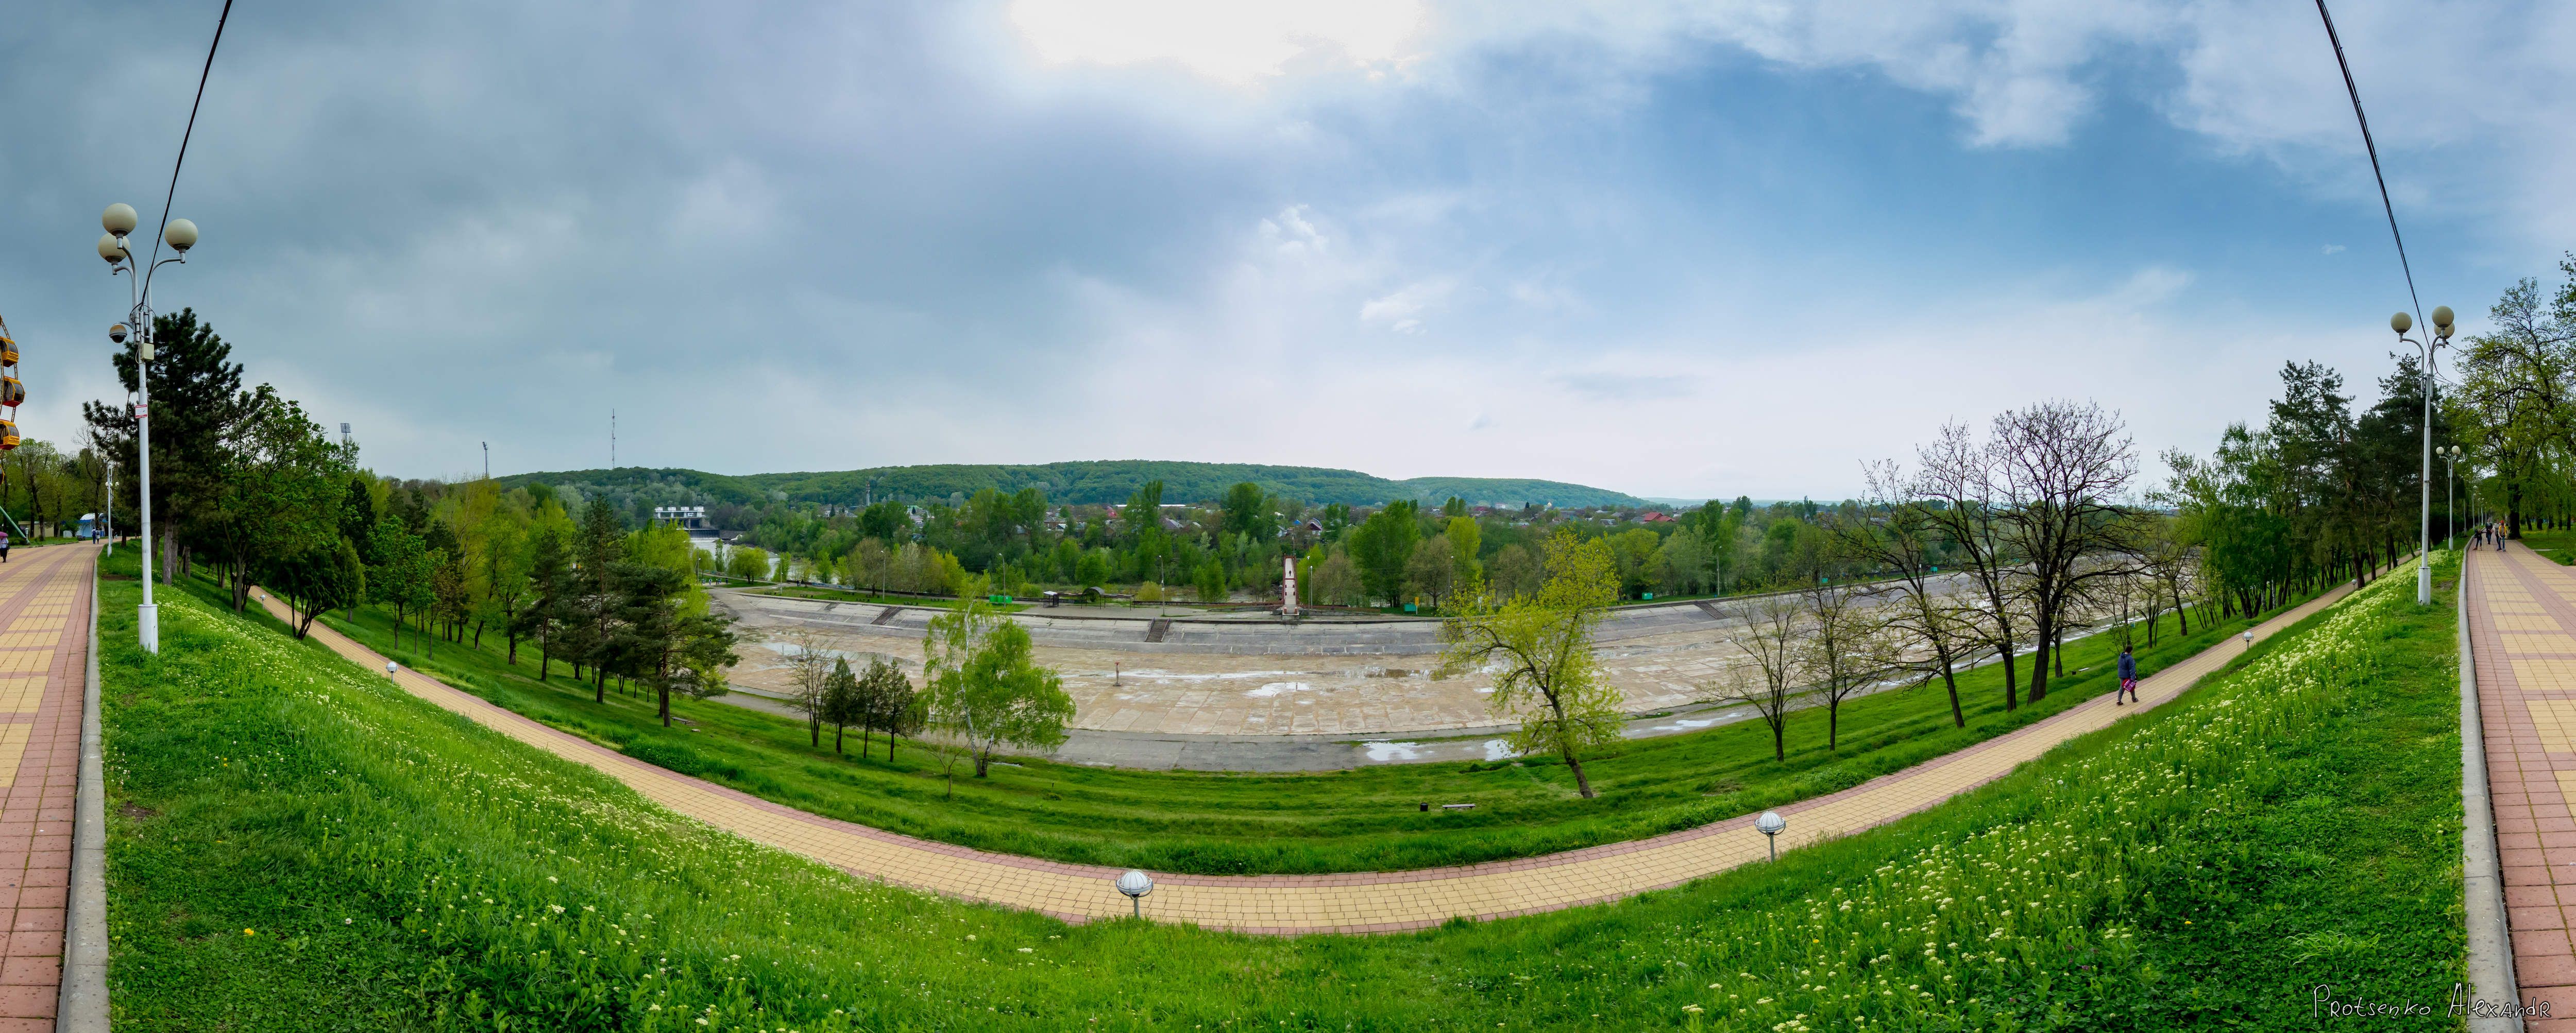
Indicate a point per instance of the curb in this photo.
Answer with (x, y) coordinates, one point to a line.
(2490, 942)
(82, 1007)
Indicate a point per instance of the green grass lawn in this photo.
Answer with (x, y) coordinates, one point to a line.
(294, 844)
(2557, 545)
(1368, 819)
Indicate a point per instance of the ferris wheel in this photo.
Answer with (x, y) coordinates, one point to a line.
(12, 391)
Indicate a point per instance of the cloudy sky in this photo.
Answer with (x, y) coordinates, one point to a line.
(1672, 249)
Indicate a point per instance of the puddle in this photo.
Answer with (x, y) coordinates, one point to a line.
(1278, 688)
(1499, 749)
(1684, 725)
(1390, 752)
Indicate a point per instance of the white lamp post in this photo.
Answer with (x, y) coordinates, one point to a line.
(1770, 824)
(2441, 336)
(1136, 885)
(119, 220)
(2450, 488)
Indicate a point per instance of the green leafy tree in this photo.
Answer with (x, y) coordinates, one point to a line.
(1432, 571)
(892, 706)
(1210, 582)
(1383, 545)
(550, 576)
(1249, 512)
(273, 491)
(1540, 648)
(985, 688)
(320, 580)
(672, 651)
(401, 578)
(1467, 544)
(843, 703)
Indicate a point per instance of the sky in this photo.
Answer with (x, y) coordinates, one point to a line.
(1678, 250)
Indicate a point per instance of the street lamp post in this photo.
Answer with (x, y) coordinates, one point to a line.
(119, 220)
(2440, 336)
(2450, 488)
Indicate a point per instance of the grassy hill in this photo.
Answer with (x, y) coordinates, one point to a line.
(1077, 483)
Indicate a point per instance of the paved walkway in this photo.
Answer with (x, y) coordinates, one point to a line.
(1356, 902)
(2522, 630)
(44, 668)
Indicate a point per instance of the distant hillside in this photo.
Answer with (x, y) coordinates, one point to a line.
(1076, 483)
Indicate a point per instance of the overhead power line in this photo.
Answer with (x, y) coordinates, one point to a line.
(2373, 148)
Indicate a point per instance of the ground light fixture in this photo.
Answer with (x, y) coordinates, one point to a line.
(1770, 824)
(120, 221)
(1136, 885)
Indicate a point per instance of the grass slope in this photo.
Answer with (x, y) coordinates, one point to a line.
(396, 867)
(1368, 819)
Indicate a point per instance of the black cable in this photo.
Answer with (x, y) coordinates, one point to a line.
(202, 75)
(2373, 148)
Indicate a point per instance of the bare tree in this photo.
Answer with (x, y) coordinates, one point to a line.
(1955, 481)
(1774, 682)
(2171, 565)
(1847, 649)
(1903, 539)
(809, 678)
(2063, 466)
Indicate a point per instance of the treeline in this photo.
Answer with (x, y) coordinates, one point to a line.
(637, 489)
(245, 483)
(2515, 407)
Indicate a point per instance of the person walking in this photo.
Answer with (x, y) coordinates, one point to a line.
(2128, 678)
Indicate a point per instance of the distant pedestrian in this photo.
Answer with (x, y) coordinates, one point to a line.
(2128, 677)
(4, 545)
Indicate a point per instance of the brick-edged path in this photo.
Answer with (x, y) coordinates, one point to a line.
(2522, 632)
(44, 668)
(1357, 902)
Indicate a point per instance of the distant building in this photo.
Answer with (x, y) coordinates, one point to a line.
(1655, 517)
(90, 526)
(691, 519)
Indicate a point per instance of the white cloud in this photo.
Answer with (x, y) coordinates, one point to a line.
(1237, 43)
(1401, 310)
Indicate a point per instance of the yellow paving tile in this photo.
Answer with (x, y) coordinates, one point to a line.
(13, 748)
(26, 661)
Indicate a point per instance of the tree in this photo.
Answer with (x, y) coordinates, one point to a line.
(1433, 570)
(1515, 573)
(2516, 401)
(809, 680)
(1210, 582)
(985, 688)
(892, 706)
(749, 563)
(1540, 648)
(1337, 581)
(673, 651)
(550, 576)
(320, 580)
(1382, 546)
(843, 705)
(1956, 482)
(1903, 541)
(1768, 633)
(594, 602)
(1466, 544)
(197, 399)
(2064, 466)
(1248, 512)
(271, 490)
(1847, 649)
(402, 577)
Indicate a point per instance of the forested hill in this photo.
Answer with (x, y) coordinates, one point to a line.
(1076, 483)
